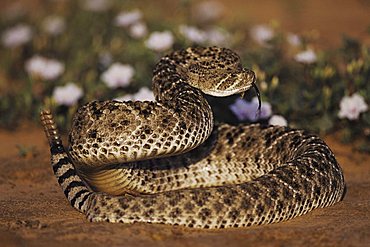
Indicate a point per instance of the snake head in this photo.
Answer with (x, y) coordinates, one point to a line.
(225, 82)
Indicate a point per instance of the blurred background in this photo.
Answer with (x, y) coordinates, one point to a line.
(328, 20)
(312, 58)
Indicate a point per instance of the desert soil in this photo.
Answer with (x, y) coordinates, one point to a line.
(34, 211)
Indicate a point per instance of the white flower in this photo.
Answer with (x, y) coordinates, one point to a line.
(244, 110)
(125, 19)
(352, 106)
(262, 34)
(96, 5)
(118, 75)
(308, 56)
(54, 25)
(138, 30)
(16, 36)
(143, 94)
(67, 95)
(217, 36)
(208, 11)
(278, 120)
(193, 34)
(127, 97)
(44, 68)
(293, 39)
(160, 41)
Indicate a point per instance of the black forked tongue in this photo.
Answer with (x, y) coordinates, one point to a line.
(258, 95)
(258, 112)
(259, 99)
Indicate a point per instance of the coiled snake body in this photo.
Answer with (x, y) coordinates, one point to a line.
(166, 162)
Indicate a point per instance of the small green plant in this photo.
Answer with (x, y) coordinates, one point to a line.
(27, 151)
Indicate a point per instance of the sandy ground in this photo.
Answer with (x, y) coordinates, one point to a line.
(34, 211)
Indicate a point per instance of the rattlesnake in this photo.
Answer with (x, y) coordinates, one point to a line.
(166, 161)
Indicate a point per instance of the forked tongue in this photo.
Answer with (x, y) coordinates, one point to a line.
(258, 112)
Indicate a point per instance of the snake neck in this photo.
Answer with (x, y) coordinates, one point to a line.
(171, 85)
(171, 89)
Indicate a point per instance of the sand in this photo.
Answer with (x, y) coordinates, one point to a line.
(34, 211)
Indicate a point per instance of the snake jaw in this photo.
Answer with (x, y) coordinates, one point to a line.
(235, 83)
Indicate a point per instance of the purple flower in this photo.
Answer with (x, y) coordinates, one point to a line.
(244, 110)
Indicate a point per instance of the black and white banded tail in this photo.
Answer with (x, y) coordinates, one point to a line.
(76, 191)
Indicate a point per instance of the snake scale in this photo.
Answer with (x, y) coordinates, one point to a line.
(165, 161)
